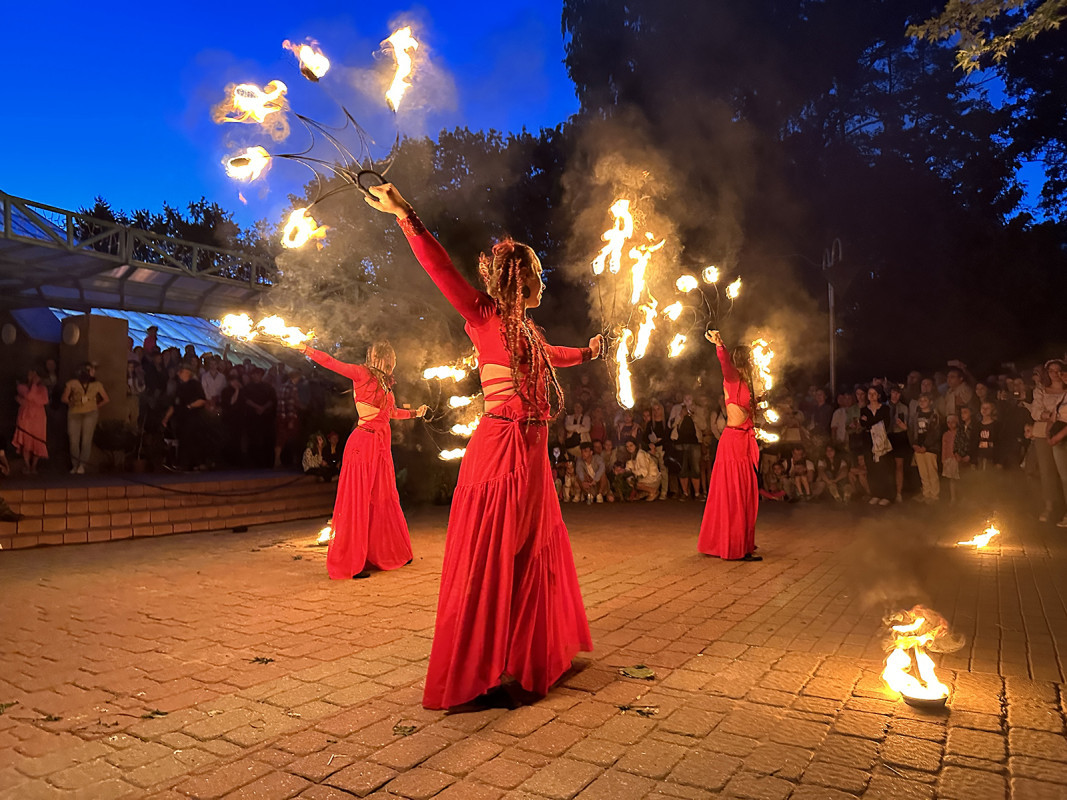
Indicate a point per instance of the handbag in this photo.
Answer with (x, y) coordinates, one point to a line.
(880, 444)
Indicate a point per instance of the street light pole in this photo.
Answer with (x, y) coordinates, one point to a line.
(830, 258)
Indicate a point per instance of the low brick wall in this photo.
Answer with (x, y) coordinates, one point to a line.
(124, 509)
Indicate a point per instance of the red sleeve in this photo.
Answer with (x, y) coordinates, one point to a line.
(475, 306)
(729, 372)
(355, 372)
(401, 413)
(568, 356)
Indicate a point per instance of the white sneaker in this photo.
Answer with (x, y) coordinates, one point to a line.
(81, 469)
(600, 498)
(1062, 523)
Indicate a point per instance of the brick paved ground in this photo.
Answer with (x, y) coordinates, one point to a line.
(228, 665)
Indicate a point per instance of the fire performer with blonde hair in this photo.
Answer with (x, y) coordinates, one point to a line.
(368, 525)
(728, 529)
(510, 610)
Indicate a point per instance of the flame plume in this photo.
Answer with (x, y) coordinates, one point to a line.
(326, 534)
(644, 332)
(677, 345)
(240, 326)
(313, 63)
(710, 274)
(444, 373)
(452, 455)
(248, 164)
(622, 354)
(641, 256)
(401, 41)
(459, 402)
(762, 356)
(301, 228)
(459, 429)
(909, 670)
(982, 539)
(686, 283)
(734, 289)
(615, 236)
(673, 311)
(252, 104)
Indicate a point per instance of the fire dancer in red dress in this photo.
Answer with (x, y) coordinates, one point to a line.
(368, 525)
(729, 526)
(510, 606)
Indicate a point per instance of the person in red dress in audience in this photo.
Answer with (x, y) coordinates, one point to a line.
(728, 529)
(368, 526)
(510, 612)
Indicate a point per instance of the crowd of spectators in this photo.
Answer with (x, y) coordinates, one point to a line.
(879, 442)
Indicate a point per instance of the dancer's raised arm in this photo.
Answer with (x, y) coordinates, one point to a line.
(561, 356)
(475, 306)
(355, 372)
(729, 371)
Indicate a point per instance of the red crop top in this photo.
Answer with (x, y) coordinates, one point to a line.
(735, 389)
(483, 324)
(367, 387)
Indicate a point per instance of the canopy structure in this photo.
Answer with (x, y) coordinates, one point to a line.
(62, 259)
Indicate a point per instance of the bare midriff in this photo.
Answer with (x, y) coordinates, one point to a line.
(496, 391)
(736, 416)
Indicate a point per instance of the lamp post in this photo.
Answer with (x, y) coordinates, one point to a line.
(831, 257)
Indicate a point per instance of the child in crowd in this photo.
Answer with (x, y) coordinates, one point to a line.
(774, 483)
(832, 472)
(800, 472)
(949, 459)
(987, 438)
(924, 433)
(572, 491)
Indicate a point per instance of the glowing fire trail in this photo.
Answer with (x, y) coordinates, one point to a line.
(313, 63)
(677, 345)
(301, 228)
(734, 289)
(402, 41)
(673, 311)
(444, 373)
(616, 236)
(452, 455)
(644, 332)
(641, 256)
(622, 354)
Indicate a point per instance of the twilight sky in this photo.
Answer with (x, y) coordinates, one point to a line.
(118, 101)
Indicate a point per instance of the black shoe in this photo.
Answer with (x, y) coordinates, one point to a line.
(750, 557)
(409, 561)
(360, 575)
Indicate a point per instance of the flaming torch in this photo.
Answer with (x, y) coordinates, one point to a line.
(710, 274)
(401, 41)
(615, 236)
(673, 311)
(641, 255)
(247, 165)
(444, 373)
(252, 104)
(465, 430)
(909, 670)
(459, 402)
(644, 331)
(982, 539)
(762, 356)
(452, 455)
(734, 289)
(622, 354)
(301, 228)
(238, 326)
(686, 283)
(313, 64)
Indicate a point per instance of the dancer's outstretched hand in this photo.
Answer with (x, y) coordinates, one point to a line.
(421, 410)
(387, 199)
(595, 344)
(715, 338)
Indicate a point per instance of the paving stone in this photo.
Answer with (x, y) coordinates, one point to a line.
(758, 787)
(836, 776)
(463, 756)
(469, 790)
(977, 744)
(275, 786)
(502, 772)
(819, 793)
(1027, 789)
(864, 726)
(597, 751)
(956, 783)
(410, 750)
(918, 754)
(562, 778)
(706, 770)
(318, 766)
(361, 778)
(524, 721)
(1037, 744)
(691, 722)
(420, 783)
(651, 759)
(890, 787)
(553, 739)
(1038, 769)
(224, 779)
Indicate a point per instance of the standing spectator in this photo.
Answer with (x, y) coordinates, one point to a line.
(260, 400)
(876, 422)
(629, 429)
(1057, 441)
(84, 397)
(287, 417)
(822, 414)
(644, 473)
(233, 413)
(957, 393)
(135, 388)
(149, 345)
(913, 387)
(987, 439)
(597, 428)
(898, 436)
(842, 420)
(925, 437)
(577, 425)
(190, 419)
(950, 464)
(213, 382)
(31, 424)
(656, 430)
(686, 443)
(1049, 393)
(592, 480)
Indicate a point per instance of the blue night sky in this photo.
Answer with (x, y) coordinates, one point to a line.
(118, 103)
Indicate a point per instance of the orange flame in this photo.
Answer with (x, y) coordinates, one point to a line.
(248, 164)
(240, 326)
(673, 311)
(622, 354)
(452, 455)
(615, 236)
(909, 670)
(326, 534)
(301, 228)
(253, 104)
(313, 64)
(982, 539)
(710, 274)
(686, 283)
(443, 373)
(644, 331)
(641, 256)
(677, 345)
(401, 41)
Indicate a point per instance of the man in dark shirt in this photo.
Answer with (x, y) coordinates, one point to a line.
(261, 401)
(821, 415)
(190, 417)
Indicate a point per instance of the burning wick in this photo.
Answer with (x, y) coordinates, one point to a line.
(313, 64)
(766, 436)
(248, 165)
(982, 539)
(909, 670)
(300, 228)
(401, 41)
(686, 283)
(452, 455)
(710, 274)
(673, 311)
(762, 356)
(240, 326)
(734, 289)
(443, 373)
(459, 402)
(615, 236)
(255, 104)
(465, 430)
(772, 416)
(641, 256)
(325, 534)
(644, 332)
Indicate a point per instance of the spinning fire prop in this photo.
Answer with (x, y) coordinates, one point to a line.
(248, 103)
(240, 326)
(909, 670)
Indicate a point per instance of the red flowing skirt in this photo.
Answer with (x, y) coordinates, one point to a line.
(368, 525)
(510, 603)
(728, 529)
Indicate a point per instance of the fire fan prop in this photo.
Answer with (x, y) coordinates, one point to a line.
(249, 104)
(909, 670)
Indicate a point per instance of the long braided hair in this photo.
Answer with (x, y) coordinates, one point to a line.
(505, 271)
